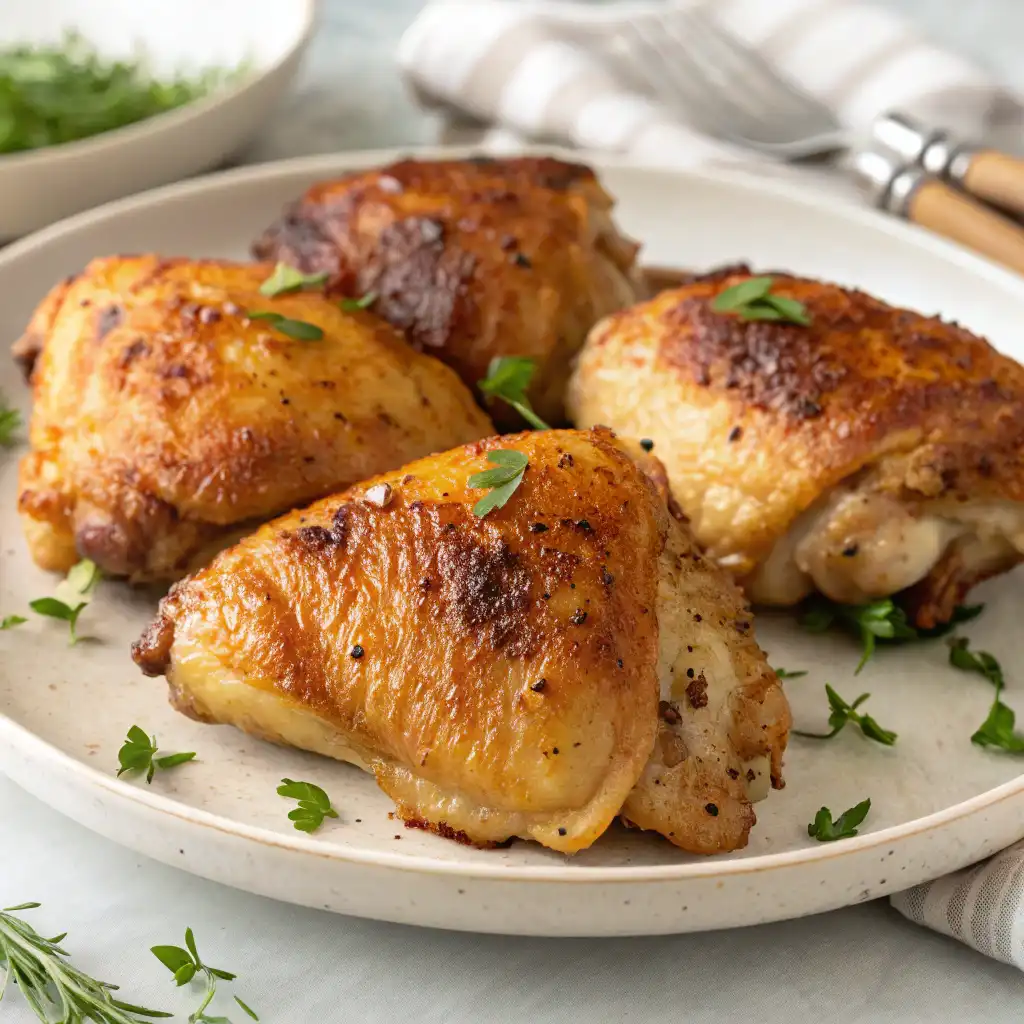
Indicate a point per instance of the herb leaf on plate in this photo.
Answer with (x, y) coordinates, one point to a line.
(10, 621)
(10, 421)
(137, 754)
(842, 713)
(508, 378)
(52, 987)
(825, 830)
(77, 588)
(999, 728)
(785, 673)
(314, 804)
(502, 480)
(753, 300)
(285, 279)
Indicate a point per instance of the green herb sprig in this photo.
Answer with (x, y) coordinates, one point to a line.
(825, 830)
(363, 302)
(842, 714)
(285, 279)
(297, 329)
(314, 804)
(64, 92)
(508, 378)
(999, 728)
(77, 587)
(138, 754)
(10, 621)
(53, 988)
(186, 964)
(507, 475)
(10, 423)
(753, 300)
(784, 673)
(879, 620)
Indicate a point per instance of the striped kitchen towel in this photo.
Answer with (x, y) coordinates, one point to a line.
(506, 72)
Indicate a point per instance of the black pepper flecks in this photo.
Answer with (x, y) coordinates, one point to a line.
(647, 444)
(561, 832)
(697, 617)
(538, 686)
(357, 651)
(712, 809)
(537, 528)
(619, 662)
(520, 260)
(735, 434)
(851, 551)
(566, 461)
(554, 750)
(690, 673)
(584, 525)
(607, 578)
(578, 617)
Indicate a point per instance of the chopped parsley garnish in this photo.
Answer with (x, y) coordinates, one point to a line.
(502, 480)
(825, 830)
(10, 421)
(297, 329)
(11, 621)
(364, 302)
(784, 673)
(138, 755)
(508, 378)
(77, 588)
(842, 713)
(880, 620)
(999, 728)
(314, 804)
(286, 279)
(753, 300)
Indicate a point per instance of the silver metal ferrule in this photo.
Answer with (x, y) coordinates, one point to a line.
(960, 162)
(902, 136)
(875, 171)
(902, 190)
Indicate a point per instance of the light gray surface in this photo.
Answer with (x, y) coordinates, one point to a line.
(298, 966)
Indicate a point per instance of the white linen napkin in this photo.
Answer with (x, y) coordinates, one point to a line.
(508, 72)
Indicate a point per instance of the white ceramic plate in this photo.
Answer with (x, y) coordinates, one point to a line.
(40, 186)
(938, 802)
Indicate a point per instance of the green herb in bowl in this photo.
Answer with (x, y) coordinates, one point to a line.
(55, 94)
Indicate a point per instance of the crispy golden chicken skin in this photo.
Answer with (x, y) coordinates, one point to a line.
(165, 417)
(875, 452)
(533, 673)
(472, 259)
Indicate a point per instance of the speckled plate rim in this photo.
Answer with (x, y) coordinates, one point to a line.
(16, 740)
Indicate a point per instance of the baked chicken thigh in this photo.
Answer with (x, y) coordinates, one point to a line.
(166, 417)
(471, 259)
(534, 672)
(872, 452)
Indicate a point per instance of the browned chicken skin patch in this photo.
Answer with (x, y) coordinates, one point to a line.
(471, 259)
(500, 677)
(166, 420)
(873, 452)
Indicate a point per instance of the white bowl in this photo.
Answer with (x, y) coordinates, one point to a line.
(40, 186)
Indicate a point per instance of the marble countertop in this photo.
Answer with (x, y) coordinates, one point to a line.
(350, 95)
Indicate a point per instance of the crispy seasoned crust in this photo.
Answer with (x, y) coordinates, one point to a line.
(757, 420)
(499, 676)
(165, 418)
(471, 259)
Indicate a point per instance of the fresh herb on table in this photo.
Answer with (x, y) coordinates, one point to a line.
(138, 755)
(825, 830)
(506, 476)
(185, 964)
(60, 93)
(842, 713)
(314, 804)
(10, 421)
(880, 620)
(753, 300)
(52, 987)
(297, 329)
(998, 729)
(77, 588)
(508, 378)
(286, 279)
(11, 621)
(364, 302)
(784, 673)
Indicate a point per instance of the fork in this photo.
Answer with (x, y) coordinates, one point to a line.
(692, 65)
